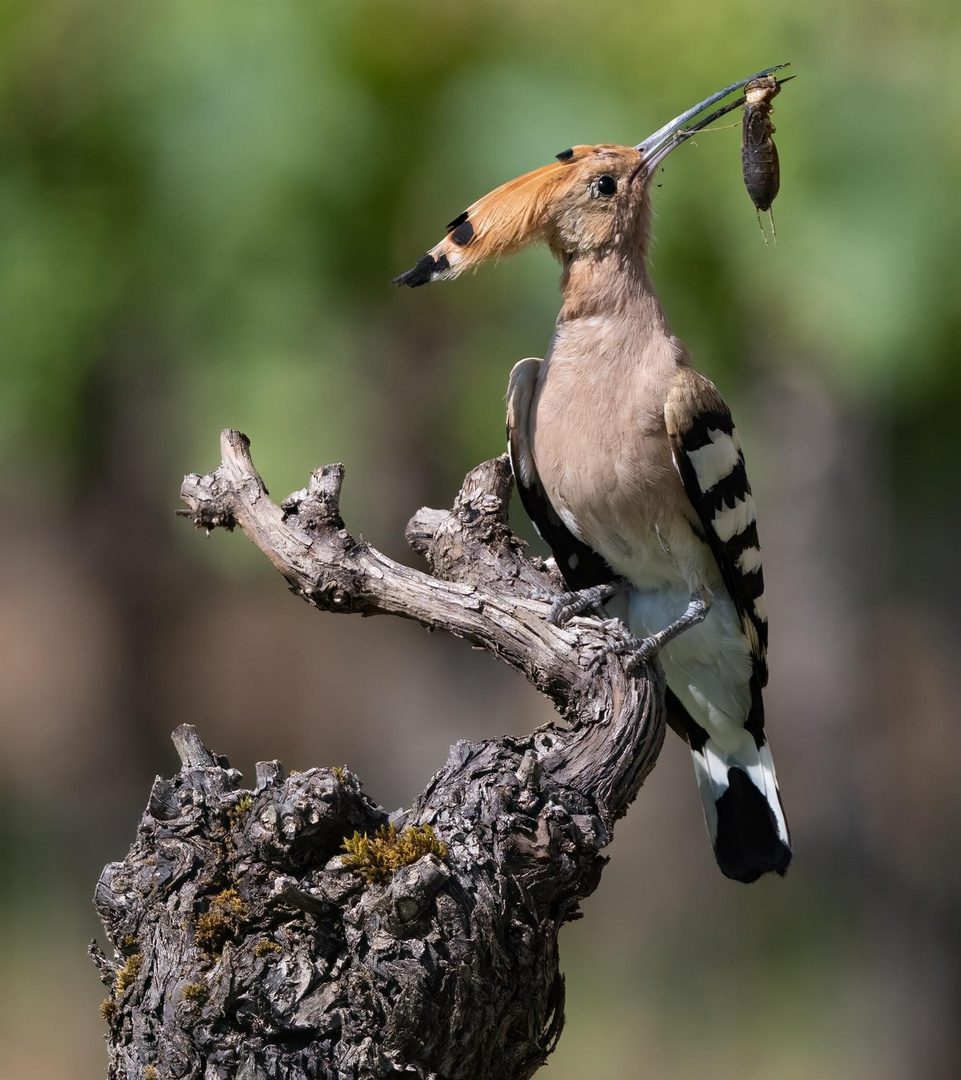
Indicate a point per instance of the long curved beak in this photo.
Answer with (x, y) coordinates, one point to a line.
(656, 147)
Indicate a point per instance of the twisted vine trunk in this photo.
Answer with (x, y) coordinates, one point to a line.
(247, 945)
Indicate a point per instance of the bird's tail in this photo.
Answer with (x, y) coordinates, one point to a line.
(743, 809)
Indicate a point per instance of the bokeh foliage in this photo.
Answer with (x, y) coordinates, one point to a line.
(223, 190)
(201, 205)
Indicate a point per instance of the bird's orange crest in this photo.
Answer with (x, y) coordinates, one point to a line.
(582, 198)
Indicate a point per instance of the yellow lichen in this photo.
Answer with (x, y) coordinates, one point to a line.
(223, 919)
(149, 1072)
(377, 857)
(108, 1009)
(265, 946)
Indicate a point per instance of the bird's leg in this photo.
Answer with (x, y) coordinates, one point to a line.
(642, 649)
(569, 604)
(696, 612)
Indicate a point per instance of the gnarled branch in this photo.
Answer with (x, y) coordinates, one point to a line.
(248, 945)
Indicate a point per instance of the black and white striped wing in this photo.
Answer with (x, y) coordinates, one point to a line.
(739, 789)
(707, 455)
(580, 564)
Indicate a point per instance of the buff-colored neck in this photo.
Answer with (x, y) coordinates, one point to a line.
(612, 284)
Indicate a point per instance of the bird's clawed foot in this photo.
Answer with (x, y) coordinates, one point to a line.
(569, 604)
(643, 650)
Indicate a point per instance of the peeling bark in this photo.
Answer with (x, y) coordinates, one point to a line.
(245, 948)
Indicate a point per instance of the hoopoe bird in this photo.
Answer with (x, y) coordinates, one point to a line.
(628, 462)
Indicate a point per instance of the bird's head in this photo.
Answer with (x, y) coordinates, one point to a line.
(590, 202)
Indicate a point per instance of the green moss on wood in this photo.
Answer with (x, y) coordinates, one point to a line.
(222, 920)
(125, 976)
(195, 992)
(240, 808)
(377, 857)
(129, 972)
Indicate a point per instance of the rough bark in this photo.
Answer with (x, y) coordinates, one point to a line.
(247, 947)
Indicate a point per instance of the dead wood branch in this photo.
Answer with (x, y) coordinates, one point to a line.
(245, 944)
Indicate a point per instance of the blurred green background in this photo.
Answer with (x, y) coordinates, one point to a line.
(201, 205)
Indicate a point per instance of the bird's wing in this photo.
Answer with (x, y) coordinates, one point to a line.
(707, 455)
(581, 566)
(739, 788)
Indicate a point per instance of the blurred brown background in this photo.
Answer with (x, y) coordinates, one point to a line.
(200, 208)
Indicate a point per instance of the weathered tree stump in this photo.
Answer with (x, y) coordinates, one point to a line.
(249, 944)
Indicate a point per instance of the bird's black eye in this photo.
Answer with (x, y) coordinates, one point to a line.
(606, 185)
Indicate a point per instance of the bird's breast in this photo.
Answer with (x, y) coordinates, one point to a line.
(601, 449)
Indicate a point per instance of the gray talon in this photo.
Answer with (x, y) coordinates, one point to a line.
(569, 604)
(628, 644)
(597, 659)
(647, 649)
(561, 611)
(641, 650)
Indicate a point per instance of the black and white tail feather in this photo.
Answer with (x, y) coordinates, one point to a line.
(741, 802)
